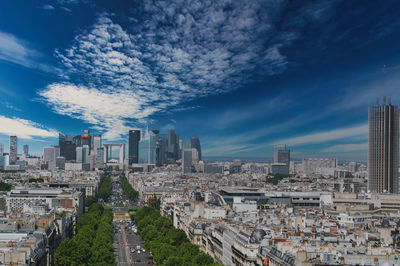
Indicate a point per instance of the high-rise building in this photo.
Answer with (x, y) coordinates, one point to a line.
(26, 150)
(49, 156)
(85, 154)
(100, 158)
(147, 146)
(173, 145)
(161, 149)
(187, 160)
(86, 139)
(79, 155)
(383, 148)
(144, 151)
(13, 150)
(134, 138)
(1, 149)
(281, 154)
(77, 140)
(195, 142)
(96, 143)
(67, 149)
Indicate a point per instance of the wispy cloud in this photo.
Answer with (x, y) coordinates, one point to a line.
(171, 53)
(48, 7)
(326, 136)
(24, 128)
(343, 148)
(17, 51)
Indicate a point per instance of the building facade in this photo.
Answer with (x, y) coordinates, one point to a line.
(383, 148)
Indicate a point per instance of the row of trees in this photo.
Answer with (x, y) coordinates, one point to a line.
(169, 245)
(128, 190)
(4, 186)
(93, 244)
(105, 189)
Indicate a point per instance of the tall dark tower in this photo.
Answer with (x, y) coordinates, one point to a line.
(383, 148)
(134, 137)
(195, 143)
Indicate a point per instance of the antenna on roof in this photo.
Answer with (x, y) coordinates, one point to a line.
(390, 100)
(384, 100)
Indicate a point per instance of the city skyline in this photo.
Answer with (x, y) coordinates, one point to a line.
(240, 98)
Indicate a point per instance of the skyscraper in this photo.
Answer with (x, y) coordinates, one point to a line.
(383, 148)
(195, 142)
(1, 149)
(186, 157)
(26, 150)
(133, 149)
(67, 147)
(281, 154)
(13, 149)
(173, 145)
(49, 156)
(96, 143)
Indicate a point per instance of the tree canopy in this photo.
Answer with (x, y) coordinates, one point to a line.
(93, 244)
(169, 245)
(128, 190)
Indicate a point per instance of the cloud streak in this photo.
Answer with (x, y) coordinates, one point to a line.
(24, 129)
(171, 53)
(17, 51)
(326, 136)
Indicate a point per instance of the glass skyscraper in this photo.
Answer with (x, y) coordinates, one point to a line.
(195, 142)
(383, 148)
(133, 149)
(13, 150)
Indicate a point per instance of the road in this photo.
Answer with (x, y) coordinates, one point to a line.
(125, 240)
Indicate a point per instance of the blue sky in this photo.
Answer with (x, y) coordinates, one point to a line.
(242, 75)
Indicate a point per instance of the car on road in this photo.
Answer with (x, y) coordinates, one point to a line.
(150, 262)
(122, 242)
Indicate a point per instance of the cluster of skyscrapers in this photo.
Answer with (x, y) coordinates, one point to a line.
(152, 147)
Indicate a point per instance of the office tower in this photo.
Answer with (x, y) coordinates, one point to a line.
(100, 158)
(195, 156)
(79, 155)
(96, 143)
(187, 160)
(86, 139)
(26, 150)
(173, 142)
(77, 140)
(144, 151)
(383, 148)
(13, 149)
(147, 146)
(161, 149)
(281, 154)
(133, 148)
(67, 147)
(49, 156)
(195, 142)
(85, 154)
(1, 148)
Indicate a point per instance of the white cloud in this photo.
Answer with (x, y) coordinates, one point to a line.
(326, 136)
(48, 7)
(171, 53)
(106, 110)
(24, 129)
(17, 51)
(347, 148)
